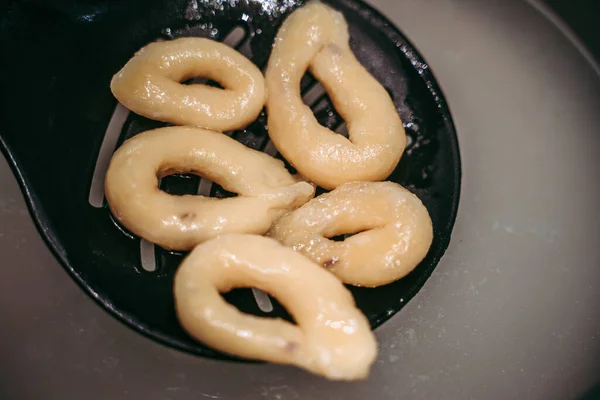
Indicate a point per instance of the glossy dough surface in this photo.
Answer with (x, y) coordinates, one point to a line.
(265, 188)
(395, 232)
(332, 338)
(316, 37)
(149, 84)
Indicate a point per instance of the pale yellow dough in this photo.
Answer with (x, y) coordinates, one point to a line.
(266, 189)
(332, 337)
(149, 84)
(316, 37)
(395, 232)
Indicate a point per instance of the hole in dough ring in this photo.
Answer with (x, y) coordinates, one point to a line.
(149, 84)
(266, 190)
(332, 338)
(394, 225)
(316, 37)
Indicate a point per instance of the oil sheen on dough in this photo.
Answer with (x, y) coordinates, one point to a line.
(393, 227)
(265, 188)
(332, 337)
(149, 84)
(316, 36)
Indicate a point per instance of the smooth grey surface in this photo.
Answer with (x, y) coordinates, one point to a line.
(512, 311)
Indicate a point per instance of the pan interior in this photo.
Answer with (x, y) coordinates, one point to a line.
(73, 126)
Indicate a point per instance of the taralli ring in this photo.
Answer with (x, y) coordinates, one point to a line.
(332, 337)
(316, 37)
(393, 232)
(265, 188)
(149, 84)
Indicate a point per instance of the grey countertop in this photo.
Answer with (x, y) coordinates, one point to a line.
(512, 311)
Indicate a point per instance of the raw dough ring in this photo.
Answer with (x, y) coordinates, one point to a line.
(149, 84)
(332, 338)
(395, 232)
(316, 36)
(266, 189)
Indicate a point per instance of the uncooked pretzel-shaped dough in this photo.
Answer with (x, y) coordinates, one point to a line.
(149, 84)
(332, 338)
(266, 189)
(316, 36)
(395, 232)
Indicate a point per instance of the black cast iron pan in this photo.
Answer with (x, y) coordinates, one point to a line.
(60, 125)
